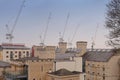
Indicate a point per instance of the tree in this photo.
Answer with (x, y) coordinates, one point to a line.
(113, 23)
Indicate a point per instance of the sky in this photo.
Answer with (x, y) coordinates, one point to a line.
(32, 22)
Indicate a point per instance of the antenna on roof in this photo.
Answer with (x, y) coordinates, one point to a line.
(94, 38)
(66, 23)
(9, 34)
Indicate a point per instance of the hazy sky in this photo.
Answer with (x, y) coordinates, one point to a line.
(33, 19)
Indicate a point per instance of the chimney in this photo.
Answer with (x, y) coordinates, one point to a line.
(82, 46)
(62, 47)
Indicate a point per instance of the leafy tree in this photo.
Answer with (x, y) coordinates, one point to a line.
(113, 23)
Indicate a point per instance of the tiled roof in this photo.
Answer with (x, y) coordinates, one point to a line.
(63, 72)
(4, 64)
(99, 55)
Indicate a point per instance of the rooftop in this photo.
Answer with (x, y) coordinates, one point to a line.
(13, 46)
(29, 58)
(65, 56)
(64, 72)
(98, 55)
(4, 64)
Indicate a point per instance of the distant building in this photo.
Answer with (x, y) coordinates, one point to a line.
(45, 61)
(33, 68)
(63, 74)
(72, 64)
(38, 69)
(3, 67)
(102, 64)
(44, 52)
(13, 51)
(30, 68)
(71, 58)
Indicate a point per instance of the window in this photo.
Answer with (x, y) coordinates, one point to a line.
(88, 64)
(98, 73)
(15, 51)
(19, 54)
(104, 77)
(34, 79)
(42, 68)
(11, 55)
(23, 51)
(7, 52)
(11, 52)
(15, 55)
(84, 77)
(27, 54)
(103, 68)
(88, 72)
(6, 56)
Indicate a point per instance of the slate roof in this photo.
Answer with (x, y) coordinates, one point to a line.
(65, 56)
(63, 72)
(4, 64)
(99, 55)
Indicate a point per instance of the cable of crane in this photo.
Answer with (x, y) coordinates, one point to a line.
(66, 23)
(94, 38)
(74, 33)
(77, 27)
(48, 21)
(17, 18)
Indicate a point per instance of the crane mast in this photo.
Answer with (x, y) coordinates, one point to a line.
(9, 35)
(94, 38)
(46, 29)
(61, 39)
(70, 42)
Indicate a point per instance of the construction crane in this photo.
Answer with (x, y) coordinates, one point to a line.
(61, 39)
(70, 42)
(45, 33)
(94, 38)
(9, 34)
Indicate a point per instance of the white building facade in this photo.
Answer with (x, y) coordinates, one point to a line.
(72, 65)
(14, 51)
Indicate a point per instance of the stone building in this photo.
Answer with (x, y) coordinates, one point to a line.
(63, 74)
(38, 69)
(30, 68)
(102, 64)
(44, 52)
(71, 58)
(3, 67)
